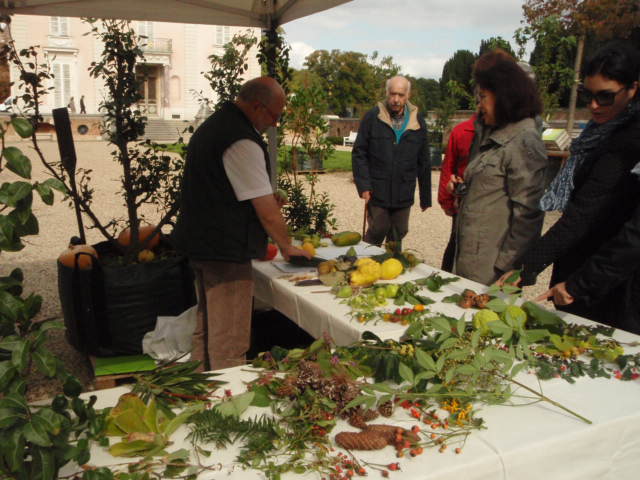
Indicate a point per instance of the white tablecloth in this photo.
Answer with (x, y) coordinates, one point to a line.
(317, 312)
(531, 442)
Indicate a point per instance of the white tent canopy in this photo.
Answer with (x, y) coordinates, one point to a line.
(246, 13)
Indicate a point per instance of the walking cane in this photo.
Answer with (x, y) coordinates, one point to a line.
(364, 219)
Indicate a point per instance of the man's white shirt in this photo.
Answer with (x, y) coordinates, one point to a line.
(244, 164)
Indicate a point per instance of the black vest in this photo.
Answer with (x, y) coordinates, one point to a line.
(212, 224)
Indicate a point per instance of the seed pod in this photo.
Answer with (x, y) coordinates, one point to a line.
(361, 440)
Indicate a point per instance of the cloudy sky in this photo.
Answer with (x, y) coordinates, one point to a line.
(420, 35)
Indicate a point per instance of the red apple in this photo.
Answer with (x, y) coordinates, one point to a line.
(272, 251)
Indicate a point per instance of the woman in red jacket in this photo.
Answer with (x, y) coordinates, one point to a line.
(455, 162)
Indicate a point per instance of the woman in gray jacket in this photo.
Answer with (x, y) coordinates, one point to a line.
(499, 215)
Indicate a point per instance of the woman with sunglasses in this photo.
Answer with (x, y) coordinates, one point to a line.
(594, 190)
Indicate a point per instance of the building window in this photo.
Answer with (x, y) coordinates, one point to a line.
(59, 26)
(223, 34)
(146, 29)
(61, 84)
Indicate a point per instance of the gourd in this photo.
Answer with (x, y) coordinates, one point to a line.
(86, 255)
(124, 239)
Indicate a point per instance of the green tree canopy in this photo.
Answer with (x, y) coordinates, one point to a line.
(458, 68)
(493, 43)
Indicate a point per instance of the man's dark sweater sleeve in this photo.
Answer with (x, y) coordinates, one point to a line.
(360, 156)
(615, 262)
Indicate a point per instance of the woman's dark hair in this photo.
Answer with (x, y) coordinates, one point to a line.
(516, 93)
(617, 61)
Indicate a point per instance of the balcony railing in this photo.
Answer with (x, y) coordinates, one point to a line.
(156, 45)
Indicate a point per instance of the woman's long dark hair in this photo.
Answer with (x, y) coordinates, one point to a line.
(516, 93)
(617, 61)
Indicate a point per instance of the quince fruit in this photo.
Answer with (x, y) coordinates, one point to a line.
(482, 319)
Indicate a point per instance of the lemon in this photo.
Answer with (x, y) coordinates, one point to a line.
(391, 268)
(308, 247)
(146, 256)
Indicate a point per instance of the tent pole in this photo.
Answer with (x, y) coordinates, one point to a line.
(272, 132)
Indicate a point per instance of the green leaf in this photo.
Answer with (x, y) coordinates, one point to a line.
(183, 416)
(475, 339)
(461, 326)
(10, 307)
(22, 126)
(425, 375)
(28, 225)
(517, 369)
(382, 387)
(542, 317)
(7, 373)
(441, 324)
(15, 192)
(36, 433)
(405, 372)
(466, 369)
(449, 375)
(425, 360)
(9, 240)
(17, 162)
(56, 185)
(236, 405)
(440, 363)
(45, 192)
(20, 355)
(261, 396)
(45, 361)
(510, 289)
(498, 305)
(448, 343)
(459, 354)
(8, 417)
(50, 420)
(32, 305)
(359, 400)
(14, 449)
(535, 335)
(455, 298)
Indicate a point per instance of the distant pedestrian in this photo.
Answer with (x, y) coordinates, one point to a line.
(83, 108)
(389, 154)
(71, 105)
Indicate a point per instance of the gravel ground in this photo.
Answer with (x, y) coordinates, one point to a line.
(428, 233)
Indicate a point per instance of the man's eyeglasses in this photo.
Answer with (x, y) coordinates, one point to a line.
(274, 116)
(604, 98)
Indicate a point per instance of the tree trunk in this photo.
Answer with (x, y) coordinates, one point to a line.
(574, 87)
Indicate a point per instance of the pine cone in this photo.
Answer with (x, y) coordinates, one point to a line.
(386, 409)
(369, 415)
(356, 420)
(389, 432)
(360, 440)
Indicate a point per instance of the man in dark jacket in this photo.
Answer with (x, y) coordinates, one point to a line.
(389, 154)
(227, 210)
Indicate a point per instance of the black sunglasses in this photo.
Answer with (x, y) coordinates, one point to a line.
(604, 98)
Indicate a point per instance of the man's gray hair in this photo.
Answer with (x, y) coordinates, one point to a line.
(256, 90)
(398, 77)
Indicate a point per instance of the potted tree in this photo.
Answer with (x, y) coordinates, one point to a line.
(134, 274)
(308, 129)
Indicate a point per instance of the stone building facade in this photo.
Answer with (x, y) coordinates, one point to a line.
(170, 75)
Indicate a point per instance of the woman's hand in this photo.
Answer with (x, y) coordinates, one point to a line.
(559, 294)
(505, 276)
(453, 181)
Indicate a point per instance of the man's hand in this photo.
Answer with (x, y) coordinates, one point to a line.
(559, 294)
(366, 196)
(287, 251)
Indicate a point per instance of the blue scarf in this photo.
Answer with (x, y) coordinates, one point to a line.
(592, 137)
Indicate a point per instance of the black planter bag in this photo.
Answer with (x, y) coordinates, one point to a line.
(109, 308)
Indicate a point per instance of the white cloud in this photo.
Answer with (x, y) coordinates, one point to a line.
(299, 51)
(429, 67)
